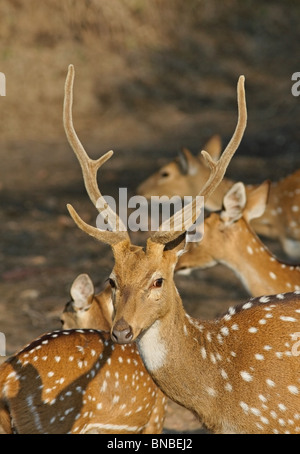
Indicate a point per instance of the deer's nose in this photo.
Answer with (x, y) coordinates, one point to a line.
(122, 332)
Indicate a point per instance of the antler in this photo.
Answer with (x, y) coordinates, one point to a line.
(172, 228)
(89, 169)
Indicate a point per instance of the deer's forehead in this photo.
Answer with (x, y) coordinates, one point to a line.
(173, 165)
(140, 267)
(142, 270)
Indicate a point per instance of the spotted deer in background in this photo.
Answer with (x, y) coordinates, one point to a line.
(185, 175)
(237, 372)
(230, 240)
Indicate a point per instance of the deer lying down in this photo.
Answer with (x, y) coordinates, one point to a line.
(186, 174)
(78, 380)
(230, 240)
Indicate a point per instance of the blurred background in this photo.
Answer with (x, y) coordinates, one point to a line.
(151, 77)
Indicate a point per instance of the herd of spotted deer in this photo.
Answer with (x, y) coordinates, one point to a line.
(121, 353)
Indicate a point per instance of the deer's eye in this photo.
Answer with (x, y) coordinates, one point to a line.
(164, 174)
(158, 283)
(111, 282)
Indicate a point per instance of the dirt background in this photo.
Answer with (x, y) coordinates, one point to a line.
(151, 77)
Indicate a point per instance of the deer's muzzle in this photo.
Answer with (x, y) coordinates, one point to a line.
(122, 332)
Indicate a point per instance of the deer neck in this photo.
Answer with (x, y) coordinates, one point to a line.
(268, 224)
(175, 349)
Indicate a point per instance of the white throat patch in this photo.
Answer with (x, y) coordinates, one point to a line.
(152, 347)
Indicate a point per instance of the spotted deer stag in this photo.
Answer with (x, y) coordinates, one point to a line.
(185, 175)
(230, 240)
(239, 373)
(78, 381)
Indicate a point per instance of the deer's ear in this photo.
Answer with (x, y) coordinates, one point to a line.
(234, 203)
(257, 200)
(187, 162)
(82, 291)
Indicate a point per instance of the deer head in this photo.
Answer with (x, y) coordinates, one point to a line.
(183, 175)
(142, 278)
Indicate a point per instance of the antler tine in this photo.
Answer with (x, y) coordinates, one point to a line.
(89, 166)
(89, 169)
(174, 227)
(218, 168)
